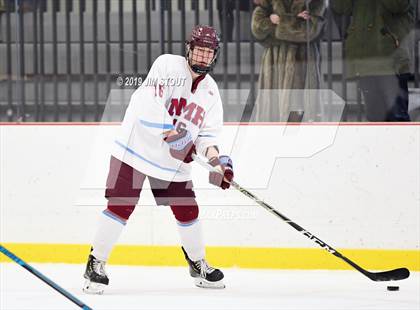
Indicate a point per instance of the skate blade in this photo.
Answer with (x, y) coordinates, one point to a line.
(93, 288)
(202, 283)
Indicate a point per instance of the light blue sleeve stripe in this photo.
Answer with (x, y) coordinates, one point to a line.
(132, 152)
(156, 125)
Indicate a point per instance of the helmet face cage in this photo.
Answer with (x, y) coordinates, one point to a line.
(206, 37)
(193, 58)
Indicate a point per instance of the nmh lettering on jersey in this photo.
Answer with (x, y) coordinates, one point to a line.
(191, 112)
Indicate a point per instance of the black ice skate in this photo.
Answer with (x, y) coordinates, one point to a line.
(204, 275)
(95, 275)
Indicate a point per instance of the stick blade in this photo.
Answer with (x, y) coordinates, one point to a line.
(391, 275)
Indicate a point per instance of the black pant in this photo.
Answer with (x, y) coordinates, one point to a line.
(386, 97)
(229, 16)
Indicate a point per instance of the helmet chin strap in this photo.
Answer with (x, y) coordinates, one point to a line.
(199, 69)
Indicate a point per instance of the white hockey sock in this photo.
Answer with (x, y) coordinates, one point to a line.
(192, 239)
(109, 230)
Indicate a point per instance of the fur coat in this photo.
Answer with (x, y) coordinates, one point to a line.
(284, 65)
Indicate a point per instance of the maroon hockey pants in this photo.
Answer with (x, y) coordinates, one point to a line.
(124, 185)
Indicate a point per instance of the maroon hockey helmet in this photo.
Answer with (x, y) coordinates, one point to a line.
(203, 36)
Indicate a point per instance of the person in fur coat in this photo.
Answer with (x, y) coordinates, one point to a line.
(287, 28)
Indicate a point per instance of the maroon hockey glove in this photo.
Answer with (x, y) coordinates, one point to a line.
(181, 146)
(217, 178)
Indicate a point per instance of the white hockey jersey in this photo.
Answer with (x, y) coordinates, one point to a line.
(168, 99)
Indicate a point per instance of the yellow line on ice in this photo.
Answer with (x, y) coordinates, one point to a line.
(243, 257)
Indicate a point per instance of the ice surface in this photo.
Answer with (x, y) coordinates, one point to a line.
(172, 288)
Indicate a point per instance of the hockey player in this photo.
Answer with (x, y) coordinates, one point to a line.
(175, 113)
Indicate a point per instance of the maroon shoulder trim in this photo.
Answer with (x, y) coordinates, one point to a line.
(195, 83)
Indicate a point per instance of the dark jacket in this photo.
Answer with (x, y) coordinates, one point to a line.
(380, 37)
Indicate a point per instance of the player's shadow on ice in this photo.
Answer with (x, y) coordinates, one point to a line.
(167, 292)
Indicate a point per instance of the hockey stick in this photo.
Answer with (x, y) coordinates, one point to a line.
(395, 274)
(44, 278)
